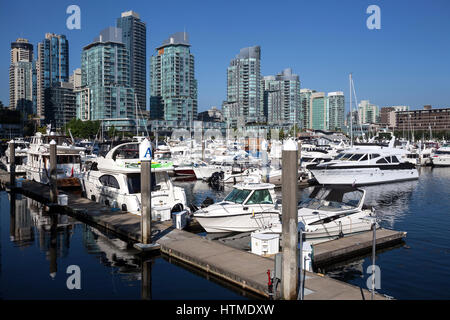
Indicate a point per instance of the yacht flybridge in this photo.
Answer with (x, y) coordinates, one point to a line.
(246, 208)
(365, 165)
(115, 181)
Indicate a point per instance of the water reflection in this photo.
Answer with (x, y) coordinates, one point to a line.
(111, 268)
(391, 201)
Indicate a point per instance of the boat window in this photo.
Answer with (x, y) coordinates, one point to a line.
(373, 156)
(260, 197)
(237, 196)
(365, 157)
(442, 152)
(109, 181)
(356, 157)
(382, 160)
(395, 159)
(134, 183)
(346, 156)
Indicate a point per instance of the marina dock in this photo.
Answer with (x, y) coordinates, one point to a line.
(243, 269)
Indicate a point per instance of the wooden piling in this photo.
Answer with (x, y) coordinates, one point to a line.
(53, 173)
(146, 200)
(289, 280)
(12, 163)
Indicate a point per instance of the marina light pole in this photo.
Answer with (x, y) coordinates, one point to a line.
(289, 280)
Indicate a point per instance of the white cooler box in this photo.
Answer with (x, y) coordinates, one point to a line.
(179, 219)
(265, 243)
(161, 213)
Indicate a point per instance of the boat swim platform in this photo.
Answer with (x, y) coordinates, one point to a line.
(243, 269)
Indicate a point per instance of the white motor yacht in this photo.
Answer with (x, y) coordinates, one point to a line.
(330, 213)
(441, 157)
(365, 165)
(246, 208)
(115, 180)
(69, 166)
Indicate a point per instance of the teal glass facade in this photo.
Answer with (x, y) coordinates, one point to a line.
(105, 91)
(173, 87)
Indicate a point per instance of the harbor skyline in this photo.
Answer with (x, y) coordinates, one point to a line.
(404, 64)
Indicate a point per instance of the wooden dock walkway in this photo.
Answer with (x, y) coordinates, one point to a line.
(241, 268)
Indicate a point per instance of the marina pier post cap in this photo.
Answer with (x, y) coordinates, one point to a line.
(145, 150)
(290, 145)
(53, 142)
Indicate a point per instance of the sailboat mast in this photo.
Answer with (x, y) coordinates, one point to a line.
(351, 112)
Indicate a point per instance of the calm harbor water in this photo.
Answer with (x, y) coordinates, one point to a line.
(419, 269)
(36, 250)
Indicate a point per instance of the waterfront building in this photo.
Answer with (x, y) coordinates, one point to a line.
(60, 104)
(318, 111)
(336, 109)
(305, 98)
(134, 36)
(427, 119)
(173, 87)
(211, 115)
(367, 112)
(243, 87)
(280, 98)
(21, 76)
(52, 66)
(75, 78)
(105, 92)
(388, 115)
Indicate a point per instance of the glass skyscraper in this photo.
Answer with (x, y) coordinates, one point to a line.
(135, 38)
(305, 99)
(243, 87)
(105, 92)
(173, 88)
(280, 98)
(21, 84)
(52, 66)
(336, 109)
(318, 111)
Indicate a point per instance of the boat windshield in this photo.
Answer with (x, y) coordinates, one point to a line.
(237, 196)
(327, 199)
(134, 183)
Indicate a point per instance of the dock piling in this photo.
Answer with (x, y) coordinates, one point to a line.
(146, 199)
(53, 173)
(12, 163)
(289, 280)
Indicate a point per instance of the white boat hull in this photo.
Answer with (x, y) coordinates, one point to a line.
(364, 176)
(236, 223)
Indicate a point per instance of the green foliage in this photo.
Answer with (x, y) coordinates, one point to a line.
(83, 129)
(42, 130)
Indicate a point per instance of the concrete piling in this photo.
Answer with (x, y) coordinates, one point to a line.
(289, 281)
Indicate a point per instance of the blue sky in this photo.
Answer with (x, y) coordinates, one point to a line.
(407, 62)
